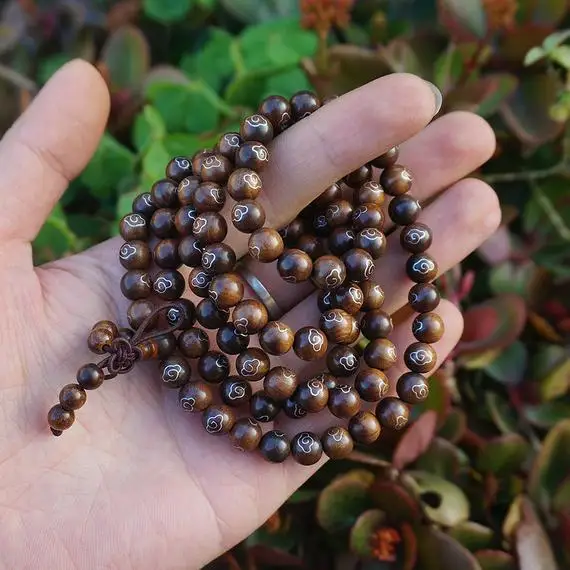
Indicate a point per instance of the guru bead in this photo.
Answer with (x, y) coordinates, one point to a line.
(276, 338)
(337, 442)
(195, 396)
(392, 413)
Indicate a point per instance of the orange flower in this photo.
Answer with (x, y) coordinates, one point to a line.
(322, 15)
(383, 543)
(501, 13)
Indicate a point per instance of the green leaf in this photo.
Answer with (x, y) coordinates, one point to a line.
(439, 399)
(155, 160)
(149, 127)
(495, 560)
(167, 11)
(472, 535)
(55, 239)
(557, 382)
(555, 39)
(561, 499)
(501, 412)
(503, 455)
(286, 83)
(110, 165)
(509, 367)
(547, 414)
(51, 64)
(534, 55)
(391, 497)
(454, 426)
(125, 204)
(443, 459)
(183, 144)
(561, 55)
(464, 17)
(248, 11)
(363, 529)
(439, 551)
(448, 68)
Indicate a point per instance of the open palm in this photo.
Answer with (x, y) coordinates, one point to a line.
(137, 482)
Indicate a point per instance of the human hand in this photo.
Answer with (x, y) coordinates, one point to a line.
(137, 482)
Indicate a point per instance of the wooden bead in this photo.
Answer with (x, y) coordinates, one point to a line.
(162, 223)
(428, 327)
(359, 176)
(175, 372)
(134, 227)
(228, 145)
(392, 413)
(250, 316)
(349, 298)
(421, 268)
(90, 377)
(190, 251)
(310, 344)
(359, 265)
(312, 396)
(404, 210)
(424, 297)
(373, 296)
(166, 255)
(218, 258)
(265, 245)
(337, 442)
(60, 419)
(416, 238)
(420, 357)
(294, 266)
(364, 428)
(135, 255)
(226, 290)
(210, 227)
(109, 326)
(396, 180)
(72, 397)
(274, 446)
(248, 216)
(412, 388)
(313, 246)
(320, 225)
(198, 159)
(244, 184)
(136, 284)
(344, 401)
(371, 384)
(214, 367)
(186, 189)
(99, 339)
(230, 341)
(343, 361)
(193, 343)
(329, 272)
(276, 338)
(246, 434)
(380, 353)
(215, 168)
(306, 448)
(195, 396)
(149, 349)
(166, 345)
(292, 232)
(387, 159)
(367, 216)
(210, 316)
(376, 324)
(263, 408)
(327, 379)
(178, 168)
(184, 220)
(169, 284)
(144, 205)
(164, 193)
(292, 409)
(252, 364)
(331, 194)
(280, 383)
(257, 128)
(139, 311)
(325, 301)
(235, 392)
(369, 193)
(218, 420)
(303, 104)
(209, 197)
(278, 110)
(372, 241)
(339, 213)
(341, 240)
(182, 315)
(339, 326)
(252, 155)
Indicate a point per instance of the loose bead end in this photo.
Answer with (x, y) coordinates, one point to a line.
(56, 432)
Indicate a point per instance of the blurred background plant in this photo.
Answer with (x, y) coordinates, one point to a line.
(481, 479)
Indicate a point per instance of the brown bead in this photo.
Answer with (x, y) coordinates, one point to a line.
(278, 110)
(250, 316)
(215, 168)
(72, 397)
(416, 238)
(210, 227)
(306, 448)
(166, 254)
(199, 282)
(327, 379)
(135, 255)
(313, 246)
(60, 419)
(380, 353)
(98, 339)
(226, 290)
(412, 388)
(228, 145)
(428, 327)
(367, 216)
(371, 384)
(292, 409)
(359, 176)
(331, 194)
(404, 210)
(257, 128)
(182, 315)
(274, 446)
(218, 420)
(169, 284)
(109, 326)
(198, 159)
(164, 193)
(312, 396)
(162, 223)
(372, 241)
(139, 311)
(210, 316)
(193, 343)
(387, 159)
(265, 245)
(184, 220)
(326, 301)
(280, 383)
(252, 364)
(276, 338)
(134, 227)
(262, 408)
(166, 345)
(178, 168)
(186, 189)
(292, 232)
(175, 372)
(359, 265)
(214, 367)
(310, 343)
(218, 258)
(230, 341)
(339, 213)
(343, 361)
(136, 284)
(420, 357)
(376, 324)
(149, 349)
(294, 266)
(303, 104)
(396, 180)
(244, 184)
(190, 251)
(349, 298)
(209, 197)
(341, 240)
(144, 205)
(252, 155)
(329, 272)
(321, 226)
(90, 377)
(344, 401)
(392, 413)
(339, 326)
(248, 216)
(364, 428)
(337, 442)
(424, 297)
(421, 268)
(235, 392)
(195, 396)
(373, 296)
(369, 193)
(246, 434)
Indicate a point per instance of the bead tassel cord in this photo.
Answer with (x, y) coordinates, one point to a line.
(333, 243)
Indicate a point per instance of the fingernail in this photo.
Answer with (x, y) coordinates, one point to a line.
(438, 97)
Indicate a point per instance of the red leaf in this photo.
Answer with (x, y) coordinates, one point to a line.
(416, 440)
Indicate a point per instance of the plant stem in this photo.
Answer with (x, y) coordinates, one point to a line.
(561, 169)
(551, 212)
(17, 79)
